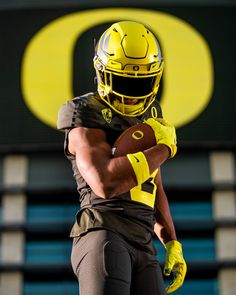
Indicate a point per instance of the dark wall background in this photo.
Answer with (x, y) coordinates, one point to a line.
(216, 125)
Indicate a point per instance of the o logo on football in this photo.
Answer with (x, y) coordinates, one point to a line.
(138, 134)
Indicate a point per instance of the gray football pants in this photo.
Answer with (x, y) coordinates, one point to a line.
(105, 264)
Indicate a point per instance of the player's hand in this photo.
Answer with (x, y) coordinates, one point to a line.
(175, 264)
(164, 133)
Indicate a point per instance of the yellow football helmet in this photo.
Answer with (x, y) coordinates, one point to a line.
(129, 66)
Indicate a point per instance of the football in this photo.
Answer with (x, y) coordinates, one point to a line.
(134, 139)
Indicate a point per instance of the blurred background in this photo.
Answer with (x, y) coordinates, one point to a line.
(46, 52)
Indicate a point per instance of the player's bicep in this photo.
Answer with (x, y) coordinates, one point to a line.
(106, 175)
(92, 154)
(81, 138)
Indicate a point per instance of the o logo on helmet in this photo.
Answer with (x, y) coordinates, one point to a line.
(47, 65)
(138, 134)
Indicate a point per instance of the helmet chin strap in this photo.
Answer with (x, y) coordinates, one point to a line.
(127, 109)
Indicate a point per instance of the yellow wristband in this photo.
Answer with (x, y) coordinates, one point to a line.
(140, 166)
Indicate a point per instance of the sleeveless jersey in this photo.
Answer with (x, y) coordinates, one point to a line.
(130, 214)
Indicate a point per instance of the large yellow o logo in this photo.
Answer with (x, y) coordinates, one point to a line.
(47, 63)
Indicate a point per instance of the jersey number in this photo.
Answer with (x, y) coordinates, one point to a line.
(146, 192)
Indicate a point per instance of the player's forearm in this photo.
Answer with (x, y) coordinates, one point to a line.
(156, 156)
(122, 173)
(108, 176)
(164, 227)
(164, 233)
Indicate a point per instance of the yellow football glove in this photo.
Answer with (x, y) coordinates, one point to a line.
(164, 133)
(175, 264)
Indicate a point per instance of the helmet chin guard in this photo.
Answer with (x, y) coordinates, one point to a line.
(129, 66)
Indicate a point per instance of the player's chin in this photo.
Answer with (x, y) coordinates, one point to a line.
(127, 101)
(131, 101)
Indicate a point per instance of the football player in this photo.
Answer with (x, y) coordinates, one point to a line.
(122, 200)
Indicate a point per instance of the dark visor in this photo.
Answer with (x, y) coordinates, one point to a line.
(132, 86)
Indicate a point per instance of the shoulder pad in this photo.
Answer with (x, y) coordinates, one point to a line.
(82, 111)
(67, 114)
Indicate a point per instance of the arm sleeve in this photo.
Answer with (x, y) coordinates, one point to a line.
(68, 118)
(68, 115)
